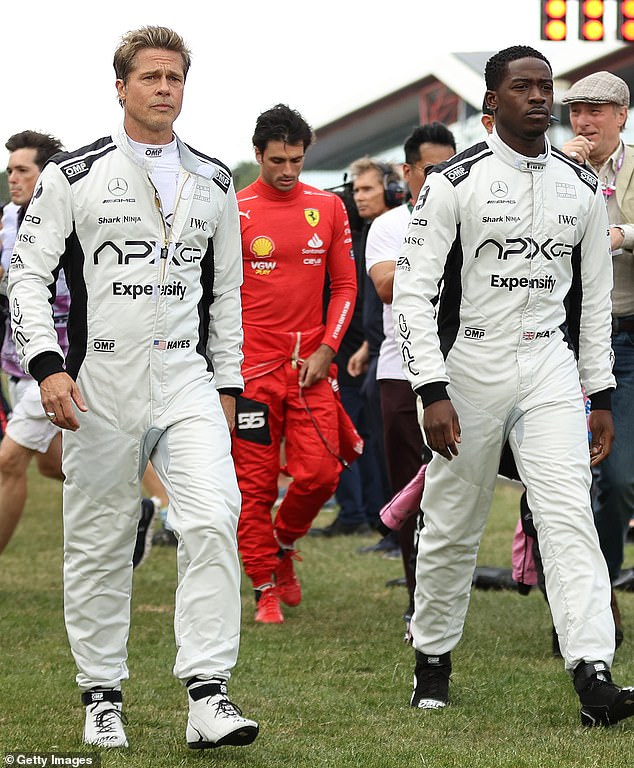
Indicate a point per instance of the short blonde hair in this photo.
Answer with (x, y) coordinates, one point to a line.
(148, 37)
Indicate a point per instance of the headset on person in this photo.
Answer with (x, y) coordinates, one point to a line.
(346, 193)
(394, 191)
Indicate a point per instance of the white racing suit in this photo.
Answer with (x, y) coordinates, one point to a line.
(505, 268)
(154, 335)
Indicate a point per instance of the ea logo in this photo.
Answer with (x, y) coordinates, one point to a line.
(499, 189)
(117, 187)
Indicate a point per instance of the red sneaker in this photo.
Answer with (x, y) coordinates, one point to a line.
(268, 609)
(288, 587)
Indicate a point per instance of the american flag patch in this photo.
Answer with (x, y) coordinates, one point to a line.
(160, 344)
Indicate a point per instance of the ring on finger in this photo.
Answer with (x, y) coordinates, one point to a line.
(51, 415)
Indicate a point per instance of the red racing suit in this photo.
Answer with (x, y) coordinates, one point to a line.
(290, 240)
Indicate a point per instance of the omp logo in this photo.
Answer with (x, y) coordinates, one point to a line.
(456, 173)
(511, 283)
(222, 179)
(263, 267)
(406, 345)
(474, 333)
(75, 169)
(117, 187)
(103, 345)
(144, 250)
(564, 219)
(251, 420)
(526, 247)
(588, 178)
(499, 189)
(154, 152)
(565, 190)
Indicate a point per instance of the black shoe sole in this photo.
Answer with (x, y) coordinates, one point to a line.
(240, 738)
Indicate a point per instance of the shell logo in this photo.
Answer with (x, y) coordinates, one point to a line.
(262, 246)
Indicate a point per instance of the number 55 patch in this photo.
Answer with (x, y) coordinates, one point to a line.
(252, 421)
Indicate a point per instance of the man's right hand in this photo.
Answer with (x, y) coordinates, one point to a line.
(578, 149)
(58, 392)
(442, 428)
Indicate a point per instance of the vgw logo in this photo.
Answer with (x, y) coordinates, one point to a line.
(526, 247)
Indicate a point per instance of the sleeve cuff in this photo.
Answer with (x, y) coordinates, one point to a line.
(233, 391)
(45, 364)
(601, 401)
(430, 393)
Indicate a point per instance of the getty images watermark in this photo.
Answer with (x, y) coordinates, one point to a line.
(49, 759)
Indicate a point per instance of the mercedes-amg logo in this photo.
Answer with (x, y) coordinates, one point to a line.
(117, 187)
(499, 189)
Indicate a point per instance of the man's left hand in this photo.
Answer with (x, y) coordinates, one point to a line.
(228, 403)
(602, 429)
(316, 367)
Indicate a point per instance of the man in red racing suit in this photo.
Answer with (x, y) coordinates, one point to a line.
(292, 235)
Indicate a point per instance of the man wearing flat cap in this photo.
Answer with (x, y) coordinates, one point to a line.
(598, 112)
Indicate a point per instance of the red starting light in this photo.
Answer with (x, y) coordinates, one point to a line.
(553, 19)
(591, 26)
(625, 21)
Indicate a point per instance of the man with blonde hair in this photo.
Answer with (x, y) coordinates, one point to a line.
(147, 232)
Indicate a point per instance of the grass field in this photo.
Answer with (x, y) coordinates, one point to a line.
(330, 687)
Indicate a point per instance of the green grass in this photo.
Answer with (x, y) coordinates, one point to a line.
(330, 687)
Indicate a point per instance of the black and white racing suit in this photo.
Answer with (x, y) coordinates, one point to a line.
(499, 247)
(154, 333)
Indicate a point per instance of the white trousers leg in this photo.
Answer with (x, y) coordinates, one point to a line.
(101, 511)
(547, 433)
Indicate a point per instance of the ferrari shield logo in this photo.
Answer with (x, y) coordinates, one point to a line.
(312, 216)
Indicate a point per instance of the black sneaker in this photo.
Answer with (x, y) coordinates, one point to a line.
(602, 702)
(431, 681)
(144, 532)
(389, 543)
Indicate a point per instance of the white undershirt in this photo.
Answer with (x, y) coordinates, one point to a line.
(162, 162)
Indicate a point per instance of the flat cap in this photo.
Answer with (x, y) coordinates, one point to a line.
(599, 88)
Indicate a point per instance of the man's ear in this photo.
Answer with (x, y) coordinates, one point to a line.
(491, 100)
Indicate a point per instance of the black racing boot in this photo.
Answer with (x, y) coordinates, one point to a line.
(431, 681)
(602, 702)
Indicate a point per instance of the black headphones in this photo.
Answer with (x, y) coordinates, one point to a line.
(393, 188)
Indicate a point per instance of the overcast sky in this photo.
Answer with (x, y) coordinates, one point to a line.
(323, 58)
